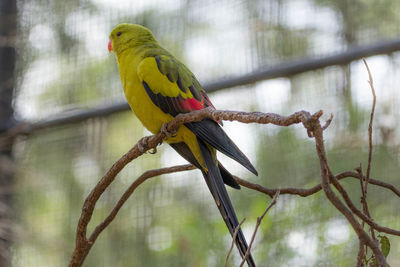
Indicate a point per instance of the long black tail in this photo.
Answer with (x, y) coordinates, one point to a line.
(210, 132)
(185, 152)
(216, 185)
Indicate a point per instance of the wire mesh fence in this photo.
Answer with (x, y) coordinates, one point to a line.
(172, 220)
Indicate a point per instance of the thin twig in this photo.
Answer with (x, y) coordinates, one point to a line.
(305, 192)
(364, 203)
(146, 175)
(327, 177)
(362, 250)
(371, 120)
(309, 191)
(86, 244)
(259, 220)
(371, 84)
(357, 212)
(233, 241)
(327, 123)
(360, 255)
(82, 245)
(363, 193)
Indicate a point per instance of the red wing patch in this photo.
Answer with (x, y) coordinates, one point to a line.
(178, 104)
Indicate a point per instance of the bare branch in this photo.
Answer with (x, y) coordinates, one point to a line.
(243, 117)
(304, 192)
(314, 129)
(357, 212)
(364, 202)
(310, 191)
(361, 255)
(259, 220)
(327, 123)
(371, 181)
(371, 83)
(233, 241)
(146, 175)
(365, 188)
(83, 245)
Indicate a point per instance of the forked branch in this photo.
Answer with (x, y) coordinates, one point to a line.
(314, 130)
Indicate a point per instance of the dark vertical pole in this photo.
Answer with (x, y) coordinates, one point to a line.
(8, 28)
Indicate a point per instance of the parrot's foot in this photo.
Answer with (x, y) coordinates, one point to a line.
(143, 144)
(165, 131)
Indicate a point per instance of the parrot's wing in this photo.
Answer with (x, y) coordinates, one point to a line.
(174, 89)
(171, 85)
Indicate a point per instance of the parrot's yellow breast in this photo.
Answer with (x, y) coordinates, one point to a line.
(151, 116)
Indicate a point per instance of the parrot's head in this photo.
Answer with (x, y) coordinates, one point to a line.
(127, 35)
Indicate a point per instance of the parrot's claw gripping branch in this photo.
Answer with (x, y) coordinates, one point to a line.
(142, 144)
(166, 132)
(314, 129)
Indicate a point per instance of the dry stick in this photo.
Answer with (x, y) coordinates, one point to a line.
(153, 173)
(361, 250)
(371, 181)
(364, 199)
(360, 255)
(357, 212)
(259, 220)
(363, 193)
(146, 175)
(180, 168)
(82, 244)
(364, 239)
(326, 175)
(186, 167)
(233, 241)
(371, 83)
(305, 192)
(327, 123)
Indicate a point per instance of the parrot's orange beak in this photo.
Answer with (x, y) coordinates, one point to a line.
(110, 46)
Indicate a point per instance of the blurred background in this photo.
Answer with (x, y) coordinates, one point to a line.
(55, 64)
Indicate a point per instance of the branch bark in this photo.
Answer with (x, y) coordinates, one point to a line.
(314, 130)
(305, 192)
(259, 220)
(327, 176)
(233, 242)
(83, 244)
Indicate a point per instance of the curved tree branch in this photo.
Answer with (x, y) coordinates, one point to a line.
(83, 245)
(305, 192)
(314, 130)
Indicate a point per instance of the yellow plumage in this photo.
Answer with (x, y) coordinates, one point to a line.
(157, 88)
(133, 69)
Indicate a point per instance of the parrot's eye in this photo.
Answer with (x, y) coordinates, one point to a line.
(119, 33)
